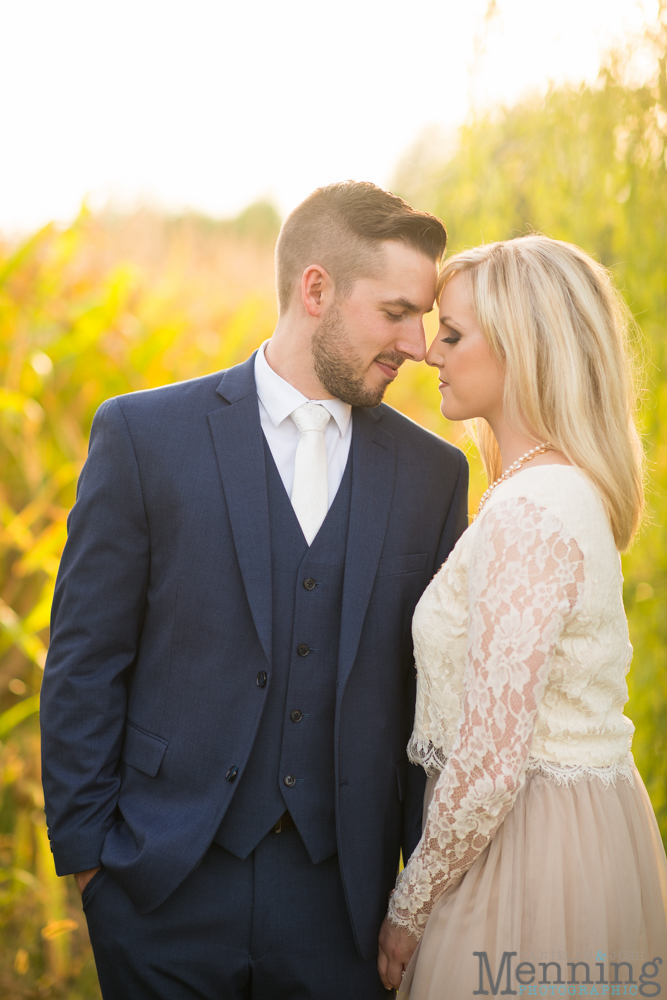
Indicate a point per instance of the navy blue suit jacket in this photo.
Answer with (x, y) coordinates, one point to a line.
(162, 620)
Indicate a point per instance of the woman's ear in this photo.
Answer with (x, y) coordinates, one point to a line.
(317, 289)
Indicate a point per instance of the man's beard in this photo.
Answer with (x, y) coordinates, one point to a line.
(337, 366)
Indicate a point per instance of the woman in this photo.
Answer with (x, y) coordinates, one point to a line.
(541, 870)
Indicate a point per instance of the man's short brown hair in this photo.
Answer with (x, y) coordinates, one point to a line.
(341, 227)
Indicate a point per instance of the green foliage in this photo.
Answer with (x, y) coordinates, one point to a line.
(589, 165)
(104, 307)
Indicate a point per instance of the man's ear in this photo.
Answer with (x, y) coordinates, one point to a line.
(317, 289)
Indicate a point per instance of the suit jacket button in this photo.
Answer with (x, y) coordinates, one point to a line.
(309, 583)
(231, 774)
(296, 715)
(261, 679)
(302, 649)
(289, 780)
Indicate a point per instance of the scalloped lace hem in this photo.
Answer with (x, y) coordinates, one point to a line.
(433, 760)
(426, 754)
(405, 923)
(570, 774)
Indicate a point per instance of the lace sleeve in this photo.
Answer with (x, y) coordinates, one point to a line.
(525, 577)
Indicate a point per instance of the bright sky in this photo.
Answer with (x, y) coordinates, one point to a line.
(210, 104)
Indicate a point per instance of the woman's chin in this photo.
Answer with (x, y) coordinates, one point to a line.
(449, 412)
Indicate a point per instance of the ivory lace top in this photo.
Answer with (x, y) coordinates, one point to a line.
(522, 649)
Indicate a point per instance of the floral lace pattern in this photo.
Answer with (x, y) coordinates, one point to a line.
(580, 720)
(525, 579)
(440, 631)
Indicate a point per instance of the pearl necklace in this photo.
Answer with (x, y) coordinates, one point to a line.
(538, 450)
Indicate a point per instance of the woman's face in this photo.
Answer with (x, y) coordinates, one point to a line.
(471, 377)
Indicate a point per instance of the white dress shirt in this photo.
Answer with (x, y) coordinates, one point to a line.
(277, 400)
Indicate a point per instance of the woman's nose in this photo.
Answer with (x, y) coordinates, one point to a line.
(434, 355)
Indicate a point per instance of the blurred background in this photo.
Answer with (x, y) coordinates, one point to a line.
(148, 152)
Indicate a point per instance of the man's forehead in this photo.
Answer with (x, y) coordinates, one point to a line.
(402, 265)
(408, 288)
(403, 279)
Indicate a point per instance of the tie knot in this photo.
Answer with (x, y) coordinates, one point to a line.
(311, 417)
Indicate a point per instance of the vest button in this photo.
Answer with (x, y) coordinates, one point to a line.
(231, 774)
(296, 715)
(261, 679)
(289, 780)
(302, 649)
(309, 583)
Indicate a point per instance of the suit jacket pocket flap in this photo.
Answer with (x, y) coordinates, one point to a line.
(143, 750)
(414, 562)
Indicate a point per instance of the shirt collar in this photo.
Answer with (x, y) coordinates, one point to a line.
(280, 399)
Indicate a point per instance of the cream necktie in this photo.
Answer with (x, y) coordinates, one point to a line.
(310, 492)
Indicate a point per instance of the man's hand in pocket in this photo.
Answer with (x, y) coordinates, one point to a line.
(83, 878)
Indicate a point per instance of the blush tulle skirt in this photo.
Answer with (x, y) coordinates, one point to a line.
(576, 873)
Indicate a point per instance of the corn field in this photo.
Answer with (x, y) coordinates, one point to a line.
(112, 304)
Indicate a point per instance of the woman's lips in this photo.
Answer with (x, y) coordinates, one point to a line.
(389, 370)
(443, 385)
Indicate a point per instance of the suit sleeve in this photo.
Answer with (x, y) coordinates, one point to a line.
(96, 622)
(457, 517)
(455, 524)
(416, 781)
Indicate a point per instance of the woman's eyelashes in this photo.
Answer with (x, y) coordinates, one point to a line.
(453, 336)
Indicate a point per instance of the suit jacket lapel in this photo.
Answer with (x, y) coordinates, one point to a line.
(239, 447)
(373, 471)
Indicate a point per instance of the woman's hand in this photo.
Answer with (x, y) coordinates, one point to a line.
(396, 950)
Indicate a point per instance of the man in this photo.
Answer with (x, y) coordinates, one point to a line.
(230, 684)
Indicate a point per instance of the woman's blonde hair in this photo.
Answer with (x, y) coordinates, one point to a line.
(552, 316)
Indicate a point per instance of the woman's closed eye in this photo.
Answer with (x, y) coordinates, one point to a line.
(453, 336)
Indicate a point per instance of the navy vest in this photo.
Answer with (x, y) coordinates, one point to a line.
(291, 765)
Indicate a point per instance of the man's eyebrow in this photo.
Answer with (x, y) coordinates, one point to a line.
(404, 303)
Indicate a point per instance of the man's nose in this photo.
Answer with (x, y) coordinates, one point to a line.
(413, 341)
